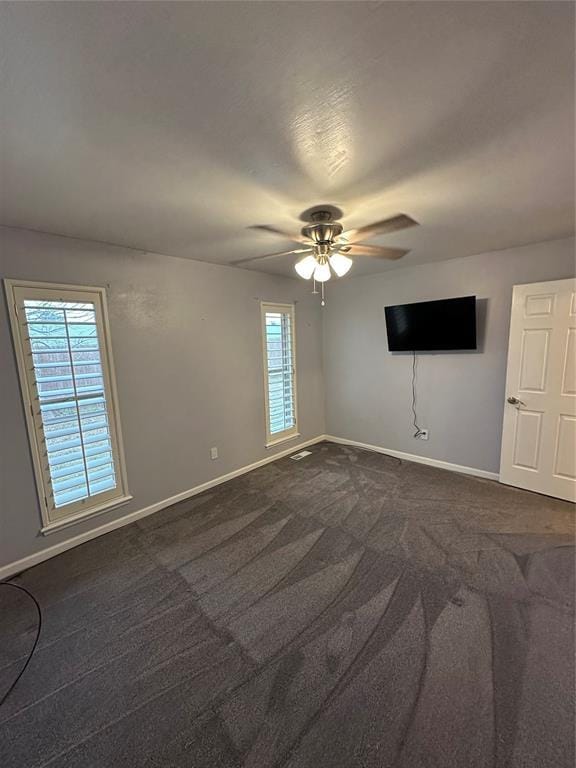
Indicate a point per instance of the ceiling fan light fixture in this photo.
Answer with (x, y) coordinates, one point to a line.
(340, 264)
(330, 247)
(322, 272)
(306, 266)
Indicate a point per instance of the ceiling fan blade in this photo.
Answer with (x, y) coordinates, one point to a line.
(393, 224)
(364, 247)
(286, 235)
(273, 255)
(375, 251)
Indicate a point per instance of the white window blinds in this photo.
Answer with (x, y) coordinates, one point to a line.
(64, 358)
(279, 371)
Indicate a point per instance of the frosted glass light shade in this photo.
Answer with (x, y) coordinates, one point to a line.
(306, 266)
(340, 264)
(322, 273)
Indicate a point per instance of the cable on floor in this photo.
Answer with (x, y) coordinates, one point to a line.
(38, 630)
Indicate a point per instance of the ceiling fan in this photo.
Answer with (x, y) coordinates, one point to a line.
(324, 244)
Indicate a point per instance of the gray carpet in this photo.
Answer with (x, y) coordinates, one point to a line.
(346, 610)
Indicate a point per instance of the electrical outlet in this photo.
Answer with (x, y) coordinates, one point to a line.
(214, 453)
(423, 434)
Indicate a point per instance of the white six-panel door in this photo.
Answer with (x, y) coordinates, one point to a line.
(539, 436)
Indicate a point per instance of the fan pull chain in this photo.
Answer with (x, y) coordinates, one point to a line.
(323, 301)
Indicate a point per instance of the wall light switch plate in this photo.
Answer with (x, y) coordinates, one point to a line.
(213, 453)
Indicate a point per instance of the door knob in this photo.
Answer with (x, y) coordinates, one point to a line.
(514, 401)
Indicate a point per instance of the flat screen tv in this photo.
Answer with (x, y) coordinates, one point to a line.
(432, 325)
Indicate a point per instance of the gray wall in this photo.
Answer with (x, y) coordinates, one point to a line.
(186, 340)
(188, 356)
(460, 396)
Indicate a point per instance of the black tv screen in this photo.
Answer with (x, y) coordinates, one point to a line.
(432, 325)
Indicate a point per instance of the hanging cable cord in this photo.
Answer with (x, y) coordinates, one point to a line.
(418, 430)
(38, 630)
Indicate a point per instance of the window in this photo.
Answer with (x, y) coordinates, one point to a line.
(62, 345)
(279, 372)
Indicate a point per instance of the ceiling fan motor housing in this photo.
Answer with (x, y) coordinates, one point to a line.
(323, 232)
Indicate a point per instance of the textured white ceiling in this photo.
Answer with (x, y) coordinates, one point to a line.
(173, 127)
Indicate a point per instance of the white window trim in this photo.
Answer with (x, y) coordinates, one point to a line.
(76, 511)
(288, 434)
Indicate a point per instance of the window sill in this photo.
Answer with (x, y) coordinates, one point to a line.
(57, 525)
(284, 439)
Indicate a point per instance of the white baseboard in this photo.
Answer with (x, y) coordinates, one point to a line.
(418, 459)
(45, 554)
